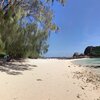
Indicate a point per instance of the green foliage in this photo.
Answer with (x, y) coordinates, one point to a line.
(96, 51)
(2, 54)
(21, 38)
(92, 51)
(27, 41)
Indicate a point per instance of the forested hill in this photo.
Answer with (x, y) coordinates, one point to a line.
(92, 51)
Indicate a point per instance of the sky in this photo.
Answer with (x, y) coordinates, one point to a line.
(79, 22)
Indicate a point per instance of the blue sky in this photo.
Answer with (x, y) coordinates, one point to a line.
(79, 22)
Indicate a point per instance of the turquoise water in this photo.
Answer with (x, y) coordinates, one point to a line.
(88, 61)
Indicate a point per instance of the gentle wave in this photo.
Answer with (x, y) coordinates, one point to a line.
(88, 61)
(93, 63)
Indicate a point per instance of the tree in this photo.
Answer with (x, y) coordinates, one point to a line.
(25, 26)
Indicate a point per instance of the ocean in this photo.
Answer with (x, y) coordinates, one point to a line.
(93, 63)
(88, 61)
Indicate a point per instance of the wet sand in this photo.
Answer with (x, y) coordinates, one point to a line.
(48, 79)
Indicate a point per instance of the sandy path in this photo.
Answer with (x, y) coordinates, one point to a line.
(50, 80)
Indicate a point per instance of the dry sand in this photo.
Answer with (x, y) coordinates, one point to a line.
(48, 79)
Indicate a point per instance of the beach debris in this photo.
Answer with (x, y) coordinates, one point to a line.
(98, 98)
(82, 87)
(39, 79)
(15, 98)
(88, 77)
(78, 96)
(67, 90)
(74, 83)
(34, 65)
(68, 66)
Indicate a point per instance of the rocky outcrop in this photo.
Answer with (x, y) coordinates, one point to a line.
(92, 51)
(78, 55)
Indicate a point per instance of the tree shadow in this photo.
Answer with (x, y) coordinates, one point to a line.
(13, 68)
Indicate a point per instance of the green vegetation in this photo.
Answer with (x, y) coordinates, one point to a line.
(25, 26)
(96, 51)
(92, 51)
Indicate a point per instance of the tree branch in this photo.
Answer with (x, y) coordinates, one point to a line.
(1, 5)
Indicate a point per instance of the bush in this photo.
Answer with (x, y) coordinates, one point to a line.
(2, 55)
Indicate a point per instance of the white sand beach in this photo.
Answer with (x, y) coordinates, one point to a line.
(48, 79)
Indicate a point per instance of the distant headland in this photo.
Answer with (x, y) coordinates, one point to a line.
(89, 52)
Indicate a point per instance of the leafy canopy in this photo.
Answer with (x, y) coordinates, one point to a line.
(25, 26)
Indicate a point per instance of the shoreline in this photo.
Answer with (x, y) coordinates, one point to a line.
(48, 79)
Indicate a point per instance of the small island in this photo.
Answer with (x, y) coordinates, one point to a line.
(92, 51)
(89, 52)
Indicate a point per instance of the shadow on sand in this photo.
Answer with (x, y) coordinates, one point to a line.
(12, 68)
